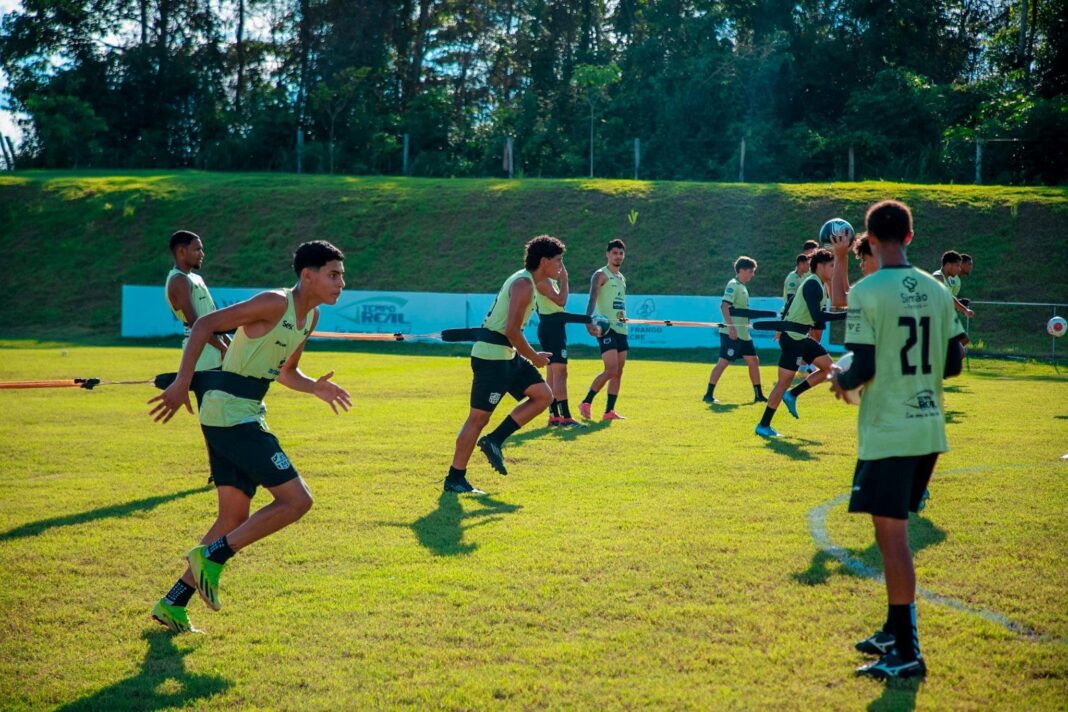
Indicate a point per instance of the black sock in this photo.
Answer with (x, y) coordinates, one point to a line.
(554, 409)
(563, 408)
(590, 396)
(611, 404)
(506, 428)
(455, 474)
(769, 413)
(219, 551)
(799, 389)
(180, 593)
(758, 392)
(906, 639)
(710, 392)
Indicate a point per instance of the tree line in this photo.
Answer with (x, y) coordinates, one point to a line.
(765, 90)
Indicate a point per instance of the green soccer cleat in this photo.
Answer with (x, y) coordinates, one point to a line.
(205, 575)
(172, 617)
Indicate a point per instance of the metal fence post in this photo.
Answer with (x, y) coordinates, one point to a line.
(637, 157)
(404, 169)
(741, 163)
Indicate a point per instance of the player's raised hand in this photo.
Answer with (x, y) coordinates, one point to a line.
(326, 390)
(840, 245)
(173, 398)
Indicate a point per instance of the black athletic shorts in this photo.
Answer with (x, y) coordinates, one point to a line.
(246, 456)
(552, 337)
(613, 341)
(734, 349)
(796, 352)
(892, 487)
(492, 379)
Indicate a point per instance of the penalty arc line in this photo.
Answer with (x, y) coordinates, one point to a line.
(817, 524)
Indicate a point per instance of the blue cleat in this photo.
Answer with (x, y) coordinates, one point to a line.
(791, 403)
(765, 431)
(923, 501)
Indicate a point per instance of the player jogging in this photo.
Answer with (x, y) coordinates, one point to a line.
(797, 348)
(735, 341)
(272, 328)
(550, 298)
(188, 296)
(905, 339)
(503, 362)
(608, 293)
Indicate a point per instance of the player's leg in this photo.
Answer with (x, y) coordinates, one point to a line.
(525, 384)
(786, 376)
(713, 379)
(753, 363)
(610, 359)
(456, 480)
(613, 387)
(550, 379)
(817, 356)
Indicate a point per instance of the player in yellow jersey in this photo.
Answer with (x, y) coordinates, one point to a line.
(949, 275)
(502, 361)
(271, 331)
(551, 298)
(905, 339)
(735, 342)
(608, 295)
(188, 295)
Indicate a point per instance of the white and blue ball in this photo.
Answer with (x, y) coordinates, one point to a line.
(1057, 326)
(836, 227)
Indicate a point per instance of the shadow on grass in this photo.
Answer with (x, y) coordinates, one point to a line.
(113, 511)
(442, 531)
(955, 416)
(572, 433)
(956, 389)
(162, 683)
(922, 534)
(722, 407)
(793, 448)
(897, 696)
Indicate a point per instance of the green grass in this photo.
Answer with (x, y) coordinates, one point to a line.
(664, 561)
(79, 236)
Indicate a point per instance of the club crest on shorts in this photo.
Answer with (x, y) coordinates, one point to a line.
(563, 353)
(280, 460)
(730, 352)
(495, 398)
(606, 340)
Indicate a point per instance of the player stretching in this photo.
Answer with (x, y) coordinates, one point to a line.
(497, 368)
(551, 298)
(188, 295)
(608, 293)
(735, 341)
(905, 339)
(805, 310)
(272, 329)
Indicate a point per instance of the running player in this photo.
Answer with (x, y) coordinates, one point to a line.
(735, 341)
(797, 348)
(551, 298)
(905, 339)
(608, 293)
(188, 295)
(498, 369)
(272, 328)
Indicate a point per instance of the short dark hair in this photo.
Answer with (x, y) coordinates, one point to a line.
(819, 257)
(951, 257)
(181, 238)
(314, 255)
(810, 245)
(862, 246)
(965, 257)
(744, 262)
(801, 258)
(613, 244)
(889, 221)
(541, 246)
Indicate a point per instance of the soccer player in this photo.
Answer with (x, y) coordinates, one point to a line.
(735, 341)
(550, 299)
(188, 295)
(840, 279)
(793, 280)
(949, 275)
(272, 328)
(966, 265)
(805, 309)
(905, 339)
(608, 293)
(503, 362)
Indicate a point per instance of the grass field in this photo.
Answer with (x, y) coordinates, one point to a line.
(97, 230)
(665, 561)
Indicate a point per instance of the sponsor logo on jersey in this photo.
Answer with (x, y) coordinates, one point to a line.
(922, 405)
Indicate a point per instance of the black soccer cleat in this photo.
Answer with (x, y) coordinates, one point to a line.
(760, 399)
(460, 485)
(711, 400)
(891, 666)
(493, 453)
(878, 643)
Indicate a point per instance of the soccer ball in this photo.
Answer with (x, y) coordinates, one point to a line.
(601, 323)
(844, 363)
(1056, 326)
(836, 227)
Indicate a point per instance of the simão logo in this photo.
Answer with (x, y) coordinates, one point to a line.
(376, 311)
